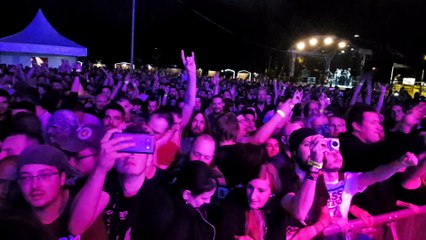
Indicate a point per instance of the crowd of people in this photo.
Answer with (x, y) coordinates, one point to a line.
(116, 154)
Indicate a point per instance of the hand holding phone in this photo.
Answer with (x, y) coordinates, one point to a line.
(144, 143)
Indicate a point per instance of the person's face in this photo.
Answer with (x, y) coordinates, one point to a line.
(258, 193)
(313, 109)
(370, 129)
(152, 106)
(113, 119)
(227, 95)
(337, 126)
(272, 147)
(133, 164)
(198, 124)
(250, 122)
(203, 150)
(217, 105)
(106, 92)
(13, 146)
(127, 106)
(181, 93)
(268, 99)
(304, 150)
(197, 105)
(85, 161)
(397, 113)
(157, 126)
(320, 125)
(200, 199)
(173, 92)
(333, 161)
(261, 96)
(40, 184)
(242, 122)
(101, 102)
(8, 174)
(4, 105)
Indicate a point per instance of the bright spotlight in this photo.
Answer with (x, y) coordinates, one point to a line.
(300, 45)
(328, 41)
(342, 44)
(313, 41)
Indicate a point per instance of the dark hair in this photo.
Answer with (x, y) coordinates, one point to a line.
(4, 93)
(356, 114)
(227, 127)
(116, 106)
(207, 129)
(23, 105)
(27, 124)
(197, 177)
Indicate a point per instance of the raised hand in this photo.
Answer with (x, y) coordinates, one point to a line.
(216, 79)
(323, 101)
(297, 97)
(318, 147)
(409, 159)
(109, 147)
(189, 63)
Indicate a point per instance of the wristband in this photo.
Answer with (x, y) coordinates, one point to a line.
(315, 164)
(281, 113)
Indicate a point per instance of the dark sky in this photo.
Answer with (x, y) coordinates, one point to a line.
(253, 28)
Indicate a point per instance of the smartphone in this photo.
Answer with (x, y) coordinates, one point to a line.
(144, 142)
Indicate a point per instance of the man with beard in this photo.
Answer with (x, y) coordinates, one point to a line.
(261, 107)
(305, 194)
(198, 124)
(42, 173)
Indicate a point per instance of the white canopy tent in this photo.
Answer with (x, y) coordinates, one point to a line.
(39, 39)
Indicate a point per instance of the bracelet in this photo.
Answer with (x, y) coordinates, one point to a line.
(281, 113)
(315, 164)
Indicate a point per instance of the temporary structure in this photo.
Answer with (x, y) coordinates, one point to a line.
(39, 41)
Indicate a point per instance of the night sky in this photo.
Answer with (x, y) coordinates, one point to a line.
(224, 33)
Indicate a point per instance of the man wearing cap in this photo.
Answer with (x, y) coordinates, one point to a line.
(305, 194)
(82, 148)
(43, 174)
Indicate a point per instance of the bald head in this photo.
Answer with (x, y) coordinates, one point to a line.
(203, 149)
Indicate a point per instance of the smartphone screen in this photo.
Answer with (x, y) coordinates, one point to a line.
(144, 142)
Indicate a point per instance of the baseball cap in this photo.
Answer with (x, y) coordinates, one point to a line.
(88, 135)
(46, 155)
(61, 125)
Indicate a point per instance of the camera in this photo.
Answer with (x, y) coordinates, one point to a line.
(144, 142)
(333, 143)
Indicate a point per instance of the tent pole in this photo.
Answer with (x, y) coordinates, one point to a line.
(132, 45)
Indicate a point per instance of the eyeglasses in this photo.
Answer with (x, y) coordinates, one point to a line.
(199, 155)
(26, 179)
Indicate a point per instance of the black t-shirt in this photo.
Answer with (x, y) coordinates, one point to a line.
(59, 227)
(144, 216)
(239, 163)
(362, 157)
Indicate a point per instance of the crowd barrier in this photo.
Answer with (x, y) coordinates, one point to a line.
(404, 224)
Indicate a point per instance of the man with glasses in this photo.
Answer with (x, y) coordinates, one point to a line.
(42, 174)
